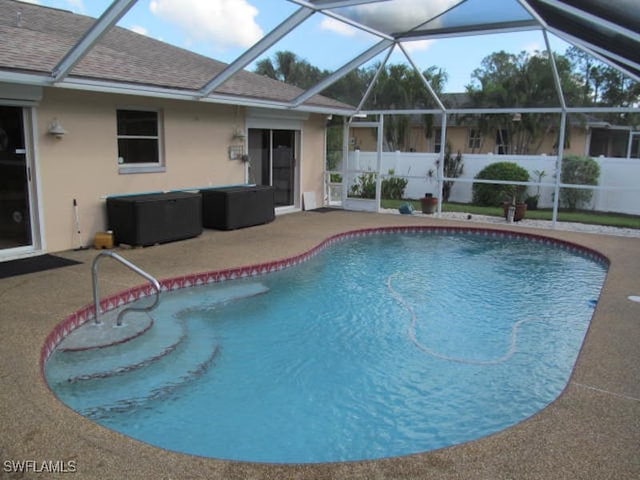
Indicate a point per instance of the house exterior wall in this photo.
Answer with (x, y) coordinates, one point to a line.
(83, 165)
(312, 165)
(458, 137)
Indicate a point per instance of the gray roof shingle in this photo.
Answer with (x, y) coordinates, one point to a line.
(35, 38)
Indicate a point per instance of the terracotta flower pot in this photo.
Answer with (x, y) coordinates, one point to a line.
(429, 204)
(521, 210)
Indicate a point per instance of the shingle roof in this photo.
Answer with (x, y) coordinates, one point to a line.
(36, 38)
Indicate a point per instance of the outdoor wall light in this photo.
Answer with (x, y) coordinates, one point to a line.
(56, 129)
(238, 135)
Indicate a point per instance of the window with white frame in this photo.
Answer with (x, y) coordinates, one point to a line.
(475, 139)
(437, 139)
(139, 140)
(502, 141)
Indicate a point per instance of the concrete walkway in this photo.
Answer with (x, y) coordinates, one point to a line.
(591, 432)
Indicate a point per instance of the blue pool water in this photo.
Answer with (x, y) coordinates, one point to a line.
(379, 346)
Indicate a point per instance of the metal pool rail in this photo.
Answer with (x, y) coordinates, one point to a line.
(131, 266)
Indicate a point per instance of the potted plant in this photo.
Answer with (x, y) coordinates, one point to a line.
(429, 203)
(514, 206)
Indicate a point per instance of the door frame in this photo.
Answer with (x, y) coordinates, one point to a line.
(277, 120)
(29, 127)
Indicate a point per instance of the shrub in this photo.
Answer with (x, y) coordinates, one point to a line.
(492, 194)
(393, 187)
(365, 186)
(578, 170)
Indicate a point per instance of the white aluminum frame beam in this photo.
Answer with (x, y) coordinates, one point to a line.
(440, 15)
(324, 8)
(379, 47)
(374, 80)
(258, 49)
(593, 19)
(554, 68)
(489, 28)
(327, 4)
(533, 12)
(543, 24)
(424, 80)
(107, 20)
(305, 11)
(599, 53)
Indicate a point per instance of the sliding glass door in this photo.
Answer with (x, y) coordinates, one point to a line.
(15, 180)
(272, 161)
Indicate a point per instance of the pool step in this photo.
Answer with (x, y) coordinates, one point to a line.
(72, 364)
(75, 365)
(100, 396)
(178, 348)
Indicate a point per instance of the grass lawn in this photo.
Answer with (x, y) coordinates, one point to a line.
(589, 217)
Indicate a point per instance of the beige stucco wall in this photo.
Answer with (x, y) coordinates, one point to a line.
(83, 164)
(312, 164)
(458, 137)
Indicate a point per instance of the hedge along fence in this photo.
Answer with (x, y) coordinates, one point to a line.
(618, 174)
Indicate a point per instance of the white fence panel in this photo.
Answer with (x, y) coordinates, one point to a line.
(623, 175)
(473, 164)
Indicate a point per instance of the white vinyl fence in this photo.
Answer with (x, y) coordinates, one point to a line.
(618, 188)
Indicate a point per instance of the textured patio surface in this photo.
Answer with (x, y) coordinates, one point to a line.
(592, 431)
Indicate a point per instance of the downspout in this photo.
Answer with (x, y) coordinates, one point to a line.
(379, 160)
(345, 158)
(443, 147)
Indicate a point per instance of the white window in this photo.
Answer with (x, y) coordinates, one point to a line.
(139, 145)
(502, 142)
(437, 139)
(475, 139)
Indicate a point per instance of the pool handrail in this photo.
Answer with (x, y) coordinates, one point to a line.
(131, 266)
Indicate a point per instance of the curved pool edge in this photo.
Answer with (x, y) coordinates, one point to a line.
(584, 434)
(117, 300)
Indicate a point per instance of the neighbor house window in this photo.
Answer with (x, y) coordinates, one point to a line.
(502, 142)
(474, 139)
(139, 140)
(437, 140)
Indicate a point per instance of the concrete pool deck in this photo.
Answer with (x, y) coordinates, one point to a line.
(592, 431)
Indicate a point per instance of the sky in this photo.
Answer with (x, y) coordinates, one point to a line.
(224, 29)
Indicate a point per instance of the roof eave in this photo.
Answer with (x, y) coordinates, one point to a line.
(105, 86)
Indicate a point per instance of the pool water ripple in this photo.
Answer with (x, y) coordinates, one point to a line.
(379, 346)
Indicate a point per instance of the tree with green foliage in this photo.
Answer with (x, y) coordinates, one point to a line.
(289, 68)
(400, 87)
(506, 80)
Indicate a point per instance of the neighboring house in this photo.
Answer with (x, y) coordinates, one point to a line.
(470, 139)
(608, 140)
(587, 136)
(126, 119)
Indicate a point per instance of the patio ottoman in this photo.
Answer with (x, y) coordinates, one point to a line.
(142, 220)
(230, 208)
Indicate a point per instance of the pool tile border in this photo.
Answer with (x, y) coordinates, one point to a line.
(86, 313)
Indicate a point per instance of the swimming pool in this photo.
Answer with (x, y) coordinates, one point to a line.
(404, 343)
